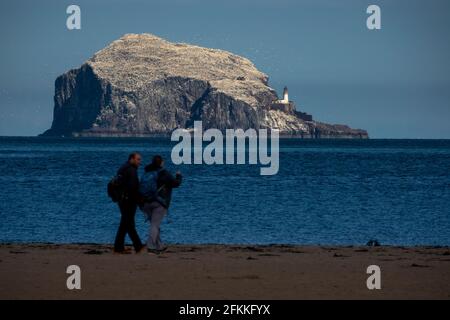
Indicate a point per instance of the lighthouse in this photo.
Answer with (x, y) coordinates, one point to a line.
(285, 95)
(289, 107)
(285, 100)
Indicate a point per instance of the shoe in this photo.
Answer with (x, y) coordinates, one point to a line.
(156, 251)
(141, 250)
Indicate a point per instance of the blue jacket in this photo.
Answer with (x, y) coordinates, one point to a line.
(166, 181)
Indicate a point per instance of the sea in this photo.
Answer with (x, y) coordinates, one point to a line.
(326, 192)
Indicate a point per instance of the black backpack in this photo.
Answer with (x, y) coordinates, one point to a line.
(116, 191)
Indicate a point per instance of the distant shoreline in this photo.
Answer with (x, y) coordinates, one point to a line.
(168, 137)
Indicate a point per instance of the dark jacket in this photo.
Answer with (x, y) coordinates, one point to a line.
(130, 181)
(166, 181)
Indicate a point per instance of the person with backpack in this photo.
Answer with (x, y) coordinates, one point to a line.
(125, 191)
(156, 191)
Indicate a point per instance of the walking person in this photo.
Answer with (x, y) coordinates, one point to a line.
(129, 182)
(156, 190)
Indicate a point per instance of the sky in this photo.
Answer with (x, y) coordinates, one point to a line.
(393, 82)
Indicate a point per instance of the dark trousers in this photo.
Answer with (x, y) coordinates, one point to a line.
(127, 226)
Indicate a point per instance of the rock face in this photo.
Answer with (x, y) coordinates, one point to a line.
(145, 85)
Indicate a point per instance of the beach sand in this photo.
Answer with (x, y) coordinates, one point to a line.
(38, 271)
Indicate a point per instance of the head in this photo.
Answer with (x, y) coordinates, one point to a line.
(158, 161)
(135, 159)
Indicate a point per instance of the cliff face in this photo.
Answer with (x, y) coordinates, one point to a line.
(142, 84)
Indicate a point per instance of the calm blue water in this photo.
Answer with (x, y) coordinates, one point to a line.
(326, 192)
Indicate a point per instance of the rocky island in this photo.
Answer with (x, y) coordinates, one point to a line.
(142, 85)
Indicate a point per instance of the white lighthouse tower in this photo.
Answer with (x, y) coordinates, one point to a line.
(285, 95)
(285, 99)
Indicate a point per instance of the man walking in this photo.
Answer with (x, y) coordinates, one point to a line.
(128, 204)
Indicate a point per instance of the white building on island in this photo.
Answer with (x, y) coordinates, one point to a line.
(285, 99)
(289, 106)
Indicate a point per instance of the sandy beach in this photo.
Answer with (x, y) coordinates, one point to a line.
(38, 271)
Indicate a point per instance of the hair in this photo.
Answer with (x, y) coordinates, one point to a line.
(157, 161)
(155, 164)
(132, 155)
